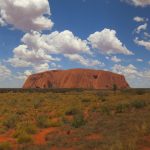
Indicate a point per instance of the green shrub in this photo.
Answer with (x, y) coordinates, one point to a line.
(138, 104)
(102, 96)
(43, 121)
(120, 108)
(103, 99)
(31, 129)
(140, 92)
(72, 111)
(55, 123)
(5, 146)
(25, 128)
(86, 100)
(21, 111)
(37, 104)
(78, 121)
(105, 109)
(114, 87)
(11, 121)
(24, 138)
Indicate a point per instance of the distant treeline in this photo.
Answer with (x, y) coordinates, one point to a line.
(16, 90)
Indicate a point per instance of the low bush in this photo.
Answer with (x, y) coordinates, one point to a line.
(78, 121)
(72, 111)
(140, 92)
(43, 121)
(5, 146)
(120, 108)
(37, 104)
(30, 129)
(86, 100)
(25, 128)
(105, 109)
(21, 112)
(24, 138)
(102, 96)
(55, 123)
(11, 121)
(138, 104)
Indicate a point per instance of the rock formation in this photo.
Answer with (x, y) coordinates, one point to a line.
(76, 78)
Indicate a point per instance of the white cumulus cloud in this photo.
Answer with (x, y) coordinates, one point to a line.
(143, 43)
(24, 75)
(84, 61)
(2, 22)
(4, 72)
(138, 19)
(129, 71)
(56, 42)
(147, 35)
(135, 76)
(141, 3)
(26, 15)
(24, 57)
(141, 27)
(106, 42)
(139, 60)
(37, 49)
(41, 67)
(115, 59)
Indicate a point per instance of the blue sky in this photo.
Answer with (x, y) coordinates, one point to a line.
(40, 35)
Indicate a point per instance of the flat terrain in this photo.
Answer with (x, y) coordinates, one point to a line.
(75, 120)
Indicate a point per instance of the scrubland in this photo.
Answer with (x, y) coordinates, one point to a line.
(75, 120)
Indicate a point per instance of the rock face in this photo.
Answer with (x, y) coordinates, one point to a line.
(76, 78)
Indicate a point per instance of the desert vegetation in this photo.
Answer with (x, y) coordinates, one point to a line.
(75, 119)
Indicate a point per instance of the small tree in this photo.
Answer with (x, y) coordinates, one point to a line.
(114, 87)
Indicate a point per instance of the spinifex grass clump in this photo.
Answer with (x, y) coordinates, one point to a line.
(140, 92)
(120, 108)
(26, 127)
(78, 117)
(78, 120)
(11, 121)
(138, 104)
(72, 111)
(24, 138)
(5, 146)
(43, 121)
(105, 109)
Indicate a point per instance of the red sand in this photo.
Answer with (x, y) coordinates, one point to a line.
(39, 138)
(94, 137)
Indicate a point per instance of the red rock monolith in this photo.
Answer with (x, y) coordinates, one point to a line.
(76, 78)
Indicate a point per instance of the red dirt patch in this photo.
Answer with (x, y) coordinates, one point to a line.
(94, 137)
(69, 117)
(145, 144)
(7, 137)
(145, 148)
(86, 114)
(39, 138)
(55, 148)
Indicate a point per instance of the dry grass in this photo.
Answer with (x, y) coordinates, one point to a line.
(121, 119)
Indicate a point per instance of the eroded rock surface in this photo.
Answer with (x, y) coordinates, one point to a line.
(76, 78)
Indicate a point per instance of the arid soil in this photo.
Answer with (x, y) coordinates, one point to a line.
(75, 120)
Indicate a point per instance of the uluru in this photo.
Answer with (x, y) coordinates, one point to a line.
(76, 78)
